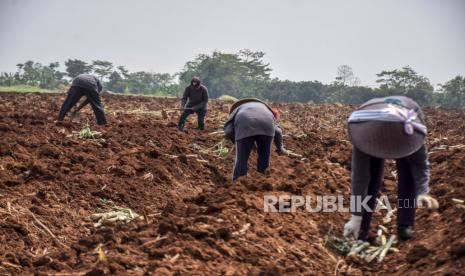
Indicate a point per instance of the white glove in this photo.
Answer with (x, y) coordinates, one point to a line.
(352, 227)
(428, 201)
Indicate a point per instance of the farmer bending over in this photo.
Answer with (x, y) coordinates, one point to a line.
(194, 100)
(389, 128)
(252, 121)
(84, 85)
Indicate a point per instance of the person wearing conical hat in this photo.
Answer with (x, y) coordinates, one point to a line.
(388, 128)
(252, 122)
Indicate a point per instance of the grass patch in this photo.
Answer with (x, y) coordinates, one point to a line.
(153, 95)
(227, 98)
(24, 89)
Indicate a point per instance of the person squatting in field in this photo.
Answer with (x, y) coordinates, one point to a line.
(194, 100)
(389, 128)
(84, 85)
(251, 122)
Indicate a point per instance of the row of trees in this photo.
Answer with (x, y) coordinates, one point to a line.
(34, 74)
(243, 74)
(117, 79)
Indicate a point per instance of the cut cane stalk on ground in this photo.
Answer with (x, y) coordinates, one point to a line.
(116, 213)
(459, 202)
(363, 250)
(156, 113)
(219, 149)
(197, 157)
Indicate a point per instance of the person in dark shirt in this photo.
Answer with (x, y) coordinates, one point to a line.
(84, 85)
(388, 128)
(251, 122)
(194, 100)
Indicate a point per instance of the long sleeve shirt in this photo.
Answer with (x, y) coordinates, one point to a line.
(251, 119)
(195, 98)
(87, 81)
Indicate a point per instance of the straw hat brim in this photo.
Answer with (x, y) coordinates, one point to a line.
(247, 100)
(386, 140)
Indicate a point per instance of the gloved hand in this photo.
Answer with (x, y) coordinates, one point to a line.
(429, 201)
(352, 227)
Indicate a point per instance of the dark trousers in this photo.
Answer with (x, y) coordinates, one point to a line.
(74, 95)
(200, 118)
(405, 194)
(243, 149)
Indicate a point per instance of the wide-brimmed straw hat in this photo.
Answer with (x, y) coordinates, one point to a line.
(386, 140)
(247, 100)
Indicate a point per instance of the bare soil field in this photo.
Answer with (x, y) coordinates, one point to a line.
(194, 219)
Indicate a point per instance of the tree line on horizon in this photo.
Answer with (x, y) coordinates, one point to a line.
(242, 74)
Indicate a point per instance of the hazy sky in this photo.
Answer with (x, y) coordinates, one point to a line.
(303, 39)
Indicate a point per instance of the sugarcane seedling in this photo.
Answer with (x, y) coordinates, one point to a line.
(148, 176)
(380, 237)
(101, 254)
(388, 217)
(107, 215)
(243, 230)
(116, 214)
(218, 150)
(371, 257)
(371, 249)
(385, 230)
(343, 247)
(382, 205)
(113, 216)
(197, 157)
(394, 174)
(174, 259)
(219, 132)
(358, 248)
(293, 154)
(86, 132)
(458, 201)
(354, 244)
(383, 240)
(302, 135)
(386, 248)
